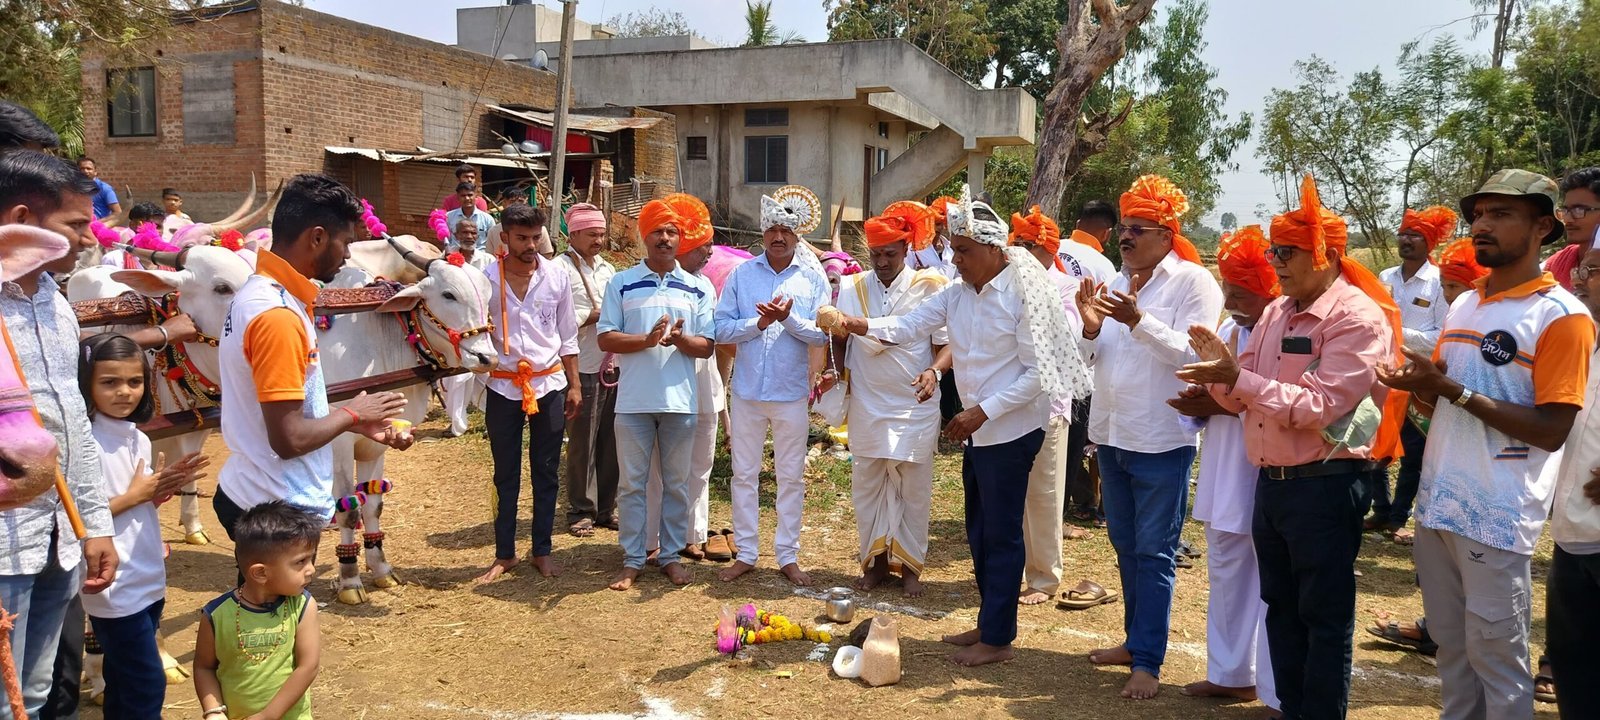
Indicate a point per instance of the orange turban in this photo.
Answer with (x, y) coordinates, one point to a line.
(1459, 262)
(906, 220)
(1434, 224)
(1087, 239)
(941, 206)
(682, 211)
(1242, 260)
(1156, 199)
(1314, 229)
(1035, 227)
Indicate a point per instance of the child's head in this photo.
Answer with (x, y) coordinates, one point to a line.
(275, 546)
(114, 377)
(145, 212)
(172, 200)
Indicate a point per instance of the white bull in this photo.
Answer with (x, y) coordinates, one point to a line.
(447, 312)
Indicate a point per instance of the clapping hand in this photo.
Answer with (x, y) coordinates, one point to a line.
(1217, 362)
(1122, 307)
(1088, 291)
(172, 478)
(1194, 401)
(777, 310)
(1420, 376)
(673, 334)
(658, 333)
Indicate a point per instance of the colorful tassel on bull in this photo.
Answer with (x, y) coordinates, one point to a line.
(441, 227)
(231, 240)
(376, 487)
(107, 237)
(148, 237)
(375, 227)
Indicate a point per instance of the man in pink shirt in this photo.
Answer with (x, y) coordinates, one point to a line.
(464, 174)
(1307, 370)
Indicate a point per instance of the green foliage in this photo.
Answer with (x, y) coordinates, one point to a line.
(1230, 222)
(760, 28)
(1024, 34)
(650, 22)
(1006, 176)
(954, 32)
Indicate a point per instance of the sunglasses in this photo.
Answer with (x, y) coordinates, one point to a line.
(1281, 253)
(1135, 231)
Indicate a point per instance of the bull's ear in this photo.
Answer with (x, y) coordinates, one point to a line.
(150, 283)
(404, 301)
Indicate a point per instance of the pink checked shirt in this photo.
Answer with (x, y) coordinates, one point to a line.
(1283, 407)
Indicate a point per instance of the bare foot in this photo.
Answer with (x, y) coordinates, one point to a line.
(913, 583)
(732, 572)
(624, 579)
(1206, 688)
(876, 573)
(966, 639)
(676, 573)
(1141, 686)
(1033, 597)
(496, 570)
(981, 654)
(545, 566)
(1073, 532)
(795, 574)
(1118, 655)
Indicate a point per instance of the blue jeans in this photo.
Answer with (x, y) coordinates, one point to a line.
(639, 437)
(40, 603)
(1144, 496)
(995, 481)
(136, 686)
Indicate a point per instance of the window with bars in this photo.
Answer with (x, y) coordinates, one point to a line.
(766, 159)
(697, 147)
(766, 117)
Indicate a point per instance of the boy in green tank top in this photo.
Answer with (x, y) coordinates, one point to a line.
(258, 649)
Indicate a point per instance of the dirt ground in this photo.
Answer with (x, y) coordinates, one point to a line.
(525, 647)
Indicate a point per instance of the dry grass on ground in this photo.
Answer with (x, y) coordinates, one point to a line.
(526, 647)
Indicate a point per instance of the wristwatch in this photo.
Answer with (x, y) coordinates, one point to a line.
(1466, 395)
(937, 376)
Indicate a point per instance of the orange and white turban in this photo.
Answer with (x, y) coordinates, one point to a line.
(1434, 224)
(682, 211)
(941, 208)
(1036, 227)
(1156, 199)
(1242, 261)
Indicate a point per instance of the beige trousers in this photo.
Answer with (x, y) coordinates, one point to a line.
(1041, 514)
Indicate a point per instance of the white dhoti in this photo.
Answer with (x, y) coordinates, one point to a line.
(790, 422)
(461, 391)
(892, 436)
(892, 499)
(701, 457)
(1236, 618)
(1041, 514)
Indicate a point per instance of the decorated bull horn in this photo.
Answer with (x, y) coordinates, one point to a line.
(254, 217)
(409, 255)
(244, 208)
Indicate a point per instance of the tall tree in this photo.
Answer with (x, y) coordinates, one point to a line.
(954, 32)
(1093, 37)
(1426, 98)
(1230, 222)
(1339, 136)
(761, 30)
(650, 22)
(1024, 34)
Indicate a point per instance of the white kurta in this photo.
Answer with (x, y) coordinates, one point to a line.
(1226, 494)
(886, 421)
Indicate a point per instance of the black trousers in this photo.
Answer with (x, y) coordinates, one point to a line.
(1572, 595)
(504, 421)
(67, 680)
(1080, 487)
(995, 481)
(1307, 532)
(949, 399)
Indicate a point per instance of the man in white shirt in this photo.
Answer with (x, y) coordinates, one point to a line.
(1015, 355)
(893, 428)
(1238, 664)
(591, 437)
(535, 385)
(1144, 452)
(469, 212)
(1572, 591)
(1418, 289)
(1082, 255)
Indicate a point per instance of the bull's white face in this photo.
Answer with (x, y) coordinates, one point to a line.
(459, 297)
(208, 281)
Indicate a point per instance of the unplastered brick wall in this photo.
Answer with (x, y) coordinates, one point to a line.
(656, 149)
(302, 81)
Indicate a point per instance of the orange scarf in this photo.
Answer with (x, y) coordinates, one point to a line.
(1087, 239)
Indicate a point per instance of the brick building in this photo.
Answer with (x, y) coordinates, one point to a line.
(266, 88)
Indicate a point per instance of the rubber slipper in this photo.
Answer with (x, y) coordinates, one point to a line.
(1086, 595)
(582, 528)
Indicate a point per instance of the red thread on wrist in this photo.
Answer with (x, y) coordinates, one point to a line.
(354, 418)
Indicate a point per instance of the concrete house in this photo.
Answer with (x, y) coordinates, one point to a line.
(862, 124)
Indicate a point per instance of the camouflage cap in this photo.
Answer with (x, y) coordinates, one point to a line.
(1522, 183)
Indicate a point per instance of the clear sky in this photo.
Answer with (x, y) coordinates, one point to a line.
(1252, 43)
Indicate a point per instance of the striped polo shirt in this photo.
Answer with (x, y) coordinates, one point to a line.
(1527, 346)
(657, 379)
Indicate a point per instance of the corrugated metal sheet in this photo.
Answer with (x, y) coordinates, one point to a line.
(581, 123)
(451, 160)
(423, 187)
